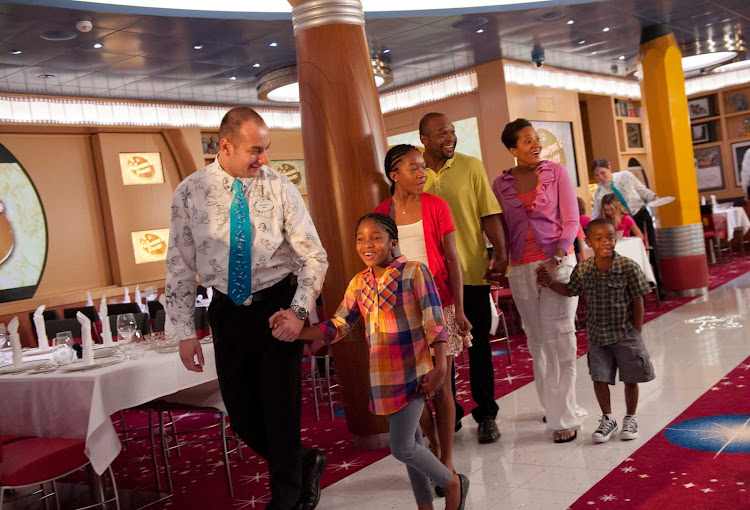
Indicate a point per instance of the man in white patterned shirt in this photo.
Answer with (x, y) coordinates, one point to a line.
(283, 268)
(634, 195)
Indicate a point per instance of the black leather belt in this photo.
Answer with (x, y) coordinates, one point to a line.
(263, 295)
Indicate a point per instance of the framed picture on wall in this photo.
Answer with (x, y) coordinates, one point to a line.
(741, 159)
(294, 170)
(634, 136)
(150, 245)
(141, 168)
(701, 107)
(708, 168)
(557, 145)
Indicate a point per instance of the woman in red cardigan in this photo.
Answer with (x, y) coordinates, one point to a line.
(427, 234)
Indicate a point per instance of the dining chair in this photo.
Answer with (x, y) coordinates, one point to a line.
(153, 307)
(53, 327)
(142, 322)
(121, 308)
(89, 311)
(649, 249)
(31, 461)
(495, 292)
(710, 236)
(316, 376)
(160, 318)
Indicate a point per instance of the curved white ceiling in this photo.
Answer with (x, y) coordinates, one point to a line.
(269, 7)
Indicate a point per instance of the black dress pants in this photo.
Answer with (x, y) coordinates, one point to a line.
(260, 379)
(481, 371)
(642, 217)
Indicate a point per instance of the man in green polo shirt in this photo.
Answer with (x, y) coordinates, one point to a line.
(462, 182)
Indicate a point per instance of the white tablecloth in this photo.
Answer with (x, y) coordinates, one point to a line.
(73, 405)
(632, 247)
(736, 218)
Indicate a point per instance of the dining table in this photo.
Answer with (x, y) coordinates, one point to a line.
(72, 403)
(633, 248)
(736, 220)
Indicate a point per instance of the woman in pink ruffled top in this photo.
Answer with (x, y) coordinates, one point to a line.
(541, 212)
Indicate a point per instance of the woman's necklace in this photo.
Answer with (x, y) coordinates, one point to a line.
(404, 208)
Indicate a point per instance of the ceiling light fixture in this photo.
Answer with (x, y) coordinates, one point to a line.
(59, 35)
(621, 57)
(594, 52)
(97, 46)
(570, 21)
(15, 52)
(733, 66)
(273, 44)
(709, 53)
(480, 31)
(582, 41)
(46, 76)
(232, 78)
(552, 16)
(282, 85)
(386, 51)
(605, 29)
(256, 65)
(198, 46)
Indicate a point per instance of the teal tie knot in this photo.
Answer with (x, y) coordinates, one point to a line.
(240, 242)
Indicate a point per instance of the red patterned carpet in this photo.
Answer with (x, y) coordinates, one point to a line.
(199, 473)
(700, 460)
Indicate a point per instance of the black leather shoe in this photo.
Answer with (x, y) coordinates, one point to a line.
(313, 466)
(487, 432)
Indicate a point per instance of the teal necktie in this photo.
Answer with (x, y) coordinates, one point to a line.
(619, 196)
(240, 258)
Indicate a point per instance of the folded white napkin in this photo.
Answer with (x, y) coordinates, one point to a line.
(210, 293)
(15, 342)
(89, 301)
(106, 330)
(138, 297)
(41, 329)
(703, 200)
(86, 338)
(126, 299)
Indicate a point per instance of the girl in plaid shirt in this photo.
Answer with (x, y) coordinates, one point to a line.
(403, 319)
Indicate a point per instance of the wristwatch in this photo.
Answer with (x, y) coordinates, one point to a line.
(300, 312)
(558, 259)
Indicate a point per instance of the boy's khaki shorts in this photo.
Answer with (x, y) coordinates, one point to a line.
(628, 355)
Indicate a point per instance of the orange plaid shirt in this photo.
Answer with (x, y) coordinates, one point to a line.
(403, 318)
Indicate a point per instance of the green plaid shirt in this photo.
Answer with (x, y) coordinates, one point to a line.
(609, 296)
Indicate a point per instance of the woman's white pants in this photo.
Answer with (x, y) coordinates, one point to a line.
(548, 321)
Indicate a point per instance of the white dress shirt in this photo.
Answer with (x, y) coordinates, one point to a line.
(745, 171)
(634, 191)
(284, 241)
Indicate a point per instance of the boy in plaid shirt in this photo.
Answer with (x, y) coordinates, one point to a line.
(614, 287)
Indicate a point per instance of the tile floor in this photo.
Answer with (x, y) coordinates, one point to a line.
(525, 470)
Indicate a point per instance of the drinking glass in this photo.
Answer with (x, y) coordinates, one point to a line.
(63, 343)
(126, 326)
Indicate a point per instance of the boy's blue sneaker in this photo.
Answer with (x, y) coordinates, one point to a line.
(606, 427)
(629, 428)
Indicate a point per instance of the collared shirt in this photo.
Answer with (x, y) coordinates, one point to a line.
(636, 194)
(462, 182)
(284, 241)
(403, 316)
(609, 296)
(554, 219)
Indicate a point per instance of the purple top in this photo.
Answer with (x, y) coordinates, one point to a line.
(554, 219)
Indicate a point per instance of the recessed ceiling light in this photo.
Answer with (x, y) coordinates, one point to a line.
(594, 52)
(605, 29)
(469, 23)
(621, 57)
(97, 46)
(15, 52)
(59, 35)
(45, 76)
(582, 41)
(232, 78)
(570, 21)
(198, 46)
(480, 31)
(386, 51)
(256, 65)
(552, 16)
(273, 44)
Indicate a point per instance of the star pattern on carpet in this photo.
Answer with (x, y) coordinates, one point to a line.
(688, 485)
(257, 477)
(346, 465)
(608, 497)
(250, 503)
(628, 469)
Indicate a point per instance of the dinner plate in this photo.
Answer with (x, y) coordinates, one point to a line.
(103, 352)
(81, 367)
(660, 201)
(27, 365)
(36, 351)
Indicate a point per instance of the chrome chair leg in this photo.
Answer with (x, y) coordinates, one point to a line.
(174, 433)
(225, 451)
(507, 338)
(165, 451)
(153, 450)
(114, 487)
(328, 383)
(314, 379)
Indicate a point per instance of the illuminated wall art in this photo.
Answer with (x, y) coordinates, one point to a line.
(23, 231)
(141, 168)
(467, 132)
(150, 245)
(294, 170)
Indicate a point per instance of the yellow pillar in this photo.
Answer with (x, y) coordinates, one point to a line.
(663, 94)
(343, 136)
(679, 240)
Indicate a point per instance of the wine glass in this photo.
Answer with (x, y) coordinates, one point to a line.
(63, 343)
(126, 326)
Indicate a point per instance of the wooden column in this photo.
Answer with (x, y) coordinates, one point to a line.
(344, 143)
